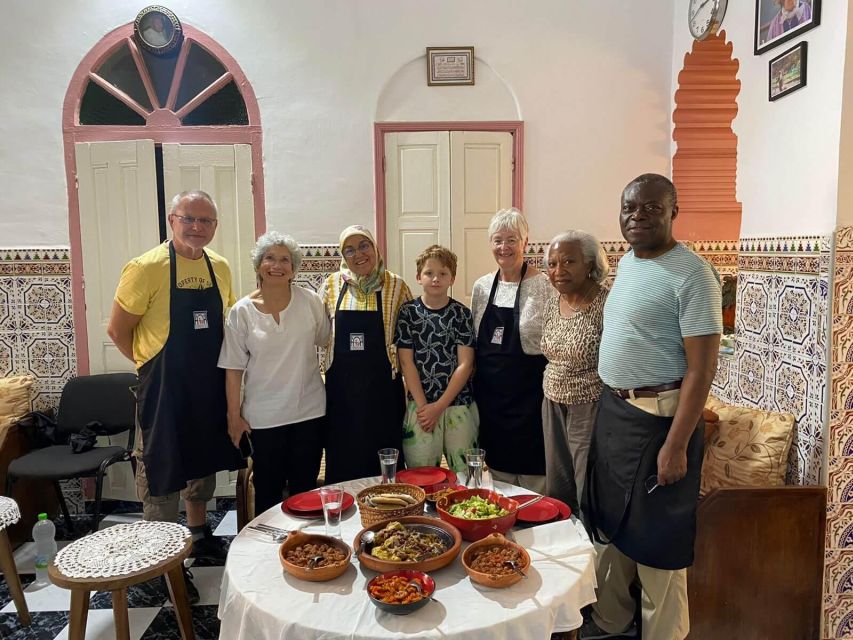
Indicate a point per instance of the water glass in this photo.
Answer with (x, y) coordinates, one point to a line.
(476, 461)
(388, 463)
(331, 496)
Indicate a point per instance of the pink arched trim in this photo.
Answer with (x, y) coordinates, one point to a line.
(514, 127)
(162, 126)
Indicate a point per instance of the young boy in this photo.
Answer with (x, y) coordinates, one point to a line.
(435, 344)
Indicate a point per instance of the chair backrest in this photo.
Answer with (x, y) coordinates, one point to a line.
(106, 398)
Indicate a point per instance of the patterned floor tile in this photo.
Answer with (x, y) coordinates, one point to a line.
(45, 626)
(100, 624)
(165, 627)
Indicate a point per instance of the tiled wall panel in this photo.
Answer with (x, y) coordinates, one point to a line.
(838, 577)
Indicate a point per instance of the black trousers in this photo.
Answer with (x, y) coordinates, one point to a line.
(288, 455)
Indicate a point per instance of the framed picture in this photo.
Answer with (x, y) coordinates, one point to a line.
(157, 30)
(450, 65)
(788, 71)
(777, 21)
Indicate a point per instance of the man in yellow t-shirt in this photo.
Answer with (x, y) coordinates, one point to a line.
(167, 318)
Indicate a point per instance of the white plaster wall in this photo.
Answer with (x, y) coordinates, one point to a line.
(788, 150)
(591, 80)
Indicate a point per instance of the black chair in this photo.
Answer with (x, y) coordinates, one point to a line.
(106, 399)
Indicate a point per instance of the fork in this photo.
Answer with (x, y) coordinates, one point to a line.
(278, 535)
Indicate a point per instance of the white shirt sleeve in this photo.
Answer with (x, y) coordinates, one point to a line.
(322, 323)
(234, 353)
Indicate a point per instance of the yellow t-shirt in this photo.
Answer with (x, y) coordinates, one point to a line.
(143, 290)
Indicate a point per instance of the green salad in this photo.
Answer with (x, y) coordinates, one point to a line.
(476, 508)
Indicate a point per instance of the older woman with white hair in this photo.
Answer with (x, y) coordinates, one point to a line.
(571, 333)
(269, 349)
(507, 307)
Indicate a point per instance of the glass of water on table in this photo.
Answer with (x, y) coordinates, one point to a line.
(332, 496)
(388, 464)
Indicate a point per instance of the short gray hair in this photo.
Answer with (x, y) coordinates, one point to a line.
(275, 239)
(511, 219)
(591, 249)
(194, 194)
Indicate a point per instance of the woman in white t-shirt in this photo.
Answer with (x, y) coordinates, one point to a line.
(269, 350)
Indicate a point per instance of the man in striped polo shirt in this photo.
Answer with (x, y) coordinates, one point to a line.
(658, 356)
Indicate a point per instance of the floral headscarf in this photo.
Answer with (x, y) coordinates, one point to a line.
(367, 283)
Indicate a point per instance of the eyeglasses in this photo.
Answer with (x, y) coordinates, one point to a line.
(364, 246)
(509, 242)
(190, 221)
(651, 483)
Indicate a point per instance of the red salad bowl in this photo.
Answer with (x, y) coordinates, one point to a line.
(472, 530)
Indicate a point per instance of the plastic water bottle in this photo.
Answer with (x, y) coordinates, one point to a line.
(44, 535)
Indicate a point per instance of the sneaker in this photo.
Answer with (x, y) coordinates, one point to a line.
(591, 631)
(193, 596)
(210, 547)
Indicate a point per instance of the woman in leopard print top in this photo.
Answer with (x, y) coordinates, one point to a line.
(571, 334)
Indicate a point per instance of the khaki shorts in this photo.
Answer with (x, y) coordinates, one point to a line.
(165, 508)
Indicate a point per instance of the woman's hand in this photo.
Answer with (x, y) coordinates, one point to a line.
(237, 426)
(428, 416)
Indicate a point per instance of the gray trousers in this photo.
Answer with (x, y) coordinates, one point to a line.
(568, 430)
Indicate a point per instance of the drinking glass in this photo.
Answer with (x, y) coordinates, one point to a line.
(476, 461)
(388, 463)
(332, 496)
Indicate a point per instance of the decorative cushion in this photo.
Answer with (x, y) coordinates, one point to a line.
(749, 449)
(14, 398)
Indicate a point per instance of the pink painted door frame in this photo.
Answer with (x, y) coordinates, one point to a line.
(163, 125)
(514, 127)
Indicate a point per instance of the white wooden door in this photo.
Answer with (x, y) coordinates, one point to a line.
(481, 184)
(225, 172)
(117, 194)
(417, 196)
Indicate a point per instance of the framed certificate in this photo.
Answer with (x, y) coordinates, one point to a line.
(450, 65)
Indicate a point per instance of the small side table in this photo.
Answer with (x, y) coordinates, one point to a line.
(120, 556)
(9, 515)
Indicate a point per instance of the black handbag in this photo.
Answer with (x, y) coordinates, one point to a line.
(41, 429)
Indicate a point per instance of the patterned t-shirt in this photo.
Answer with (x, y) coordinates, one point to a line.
(433, 335)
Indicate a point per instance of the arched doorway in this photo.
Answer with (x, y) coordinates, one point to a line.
(138, 128)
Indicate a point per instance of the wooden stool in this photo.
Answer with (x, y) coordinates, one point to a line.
(120, 556)
(9, 515)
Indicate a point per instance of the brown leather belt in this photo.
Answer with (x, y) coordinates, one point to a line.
(645, 392)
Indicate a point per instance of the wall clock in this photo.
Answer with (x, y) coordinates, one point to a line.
(704, 17)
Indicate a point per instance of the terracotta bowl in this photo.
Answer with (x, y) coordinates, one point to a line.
(432, 564)
(319, 574)
(438, 487)
(473, 530)
(403, 609)
(487, 579)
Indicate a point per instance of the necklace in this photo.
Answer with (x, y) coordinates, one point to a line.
(577, 309)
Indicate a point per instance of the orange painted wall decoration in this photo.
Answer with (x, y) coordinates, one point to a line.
(704, 168)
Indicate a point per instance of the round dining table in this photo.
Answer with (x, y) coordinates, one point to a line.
(259, 600)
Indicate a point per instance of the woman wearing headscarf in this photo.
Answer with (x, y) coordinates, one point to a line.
(507, 307)
(365, 402)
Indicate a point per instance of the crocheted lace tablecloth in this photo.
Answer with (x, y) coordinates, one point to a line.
(121, 549)
(9, 512)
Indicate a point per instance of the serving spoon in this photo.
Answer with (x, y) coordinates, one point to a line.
(366, 538)
(512, 564)
(417, 585)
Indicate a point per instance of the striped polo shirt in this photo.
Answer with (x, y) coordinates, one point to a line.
(653, 305)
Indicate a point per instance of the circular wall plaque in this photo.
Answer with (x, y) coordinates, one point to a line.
(157, 30)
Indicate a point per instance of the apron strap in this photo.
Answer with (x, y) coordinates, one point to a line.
(173, 268)
(517, 293)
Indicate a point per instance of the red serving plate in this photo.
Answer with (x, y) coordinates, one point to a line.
(309, 502)
(546, 510)
(422, 476)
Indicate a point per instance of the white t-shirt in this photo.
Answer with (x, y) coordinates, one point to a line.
(282, 383)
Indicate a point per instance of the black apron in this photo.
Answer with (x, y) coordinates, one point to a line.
(508, 391)
(654, 529)
(181, 393)
(364, 404)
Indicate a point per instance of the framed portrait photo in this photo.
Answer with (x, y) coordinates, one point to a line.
(788, 71)
(158, 30)
(777, 21)
(450, 65)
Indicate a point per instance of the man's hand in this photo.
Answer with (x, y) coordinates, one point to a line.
(672, 464)
(428, 416)
(237, 426)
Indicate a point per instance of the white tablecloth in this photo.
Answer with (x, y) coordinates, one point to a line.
(260, 601)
